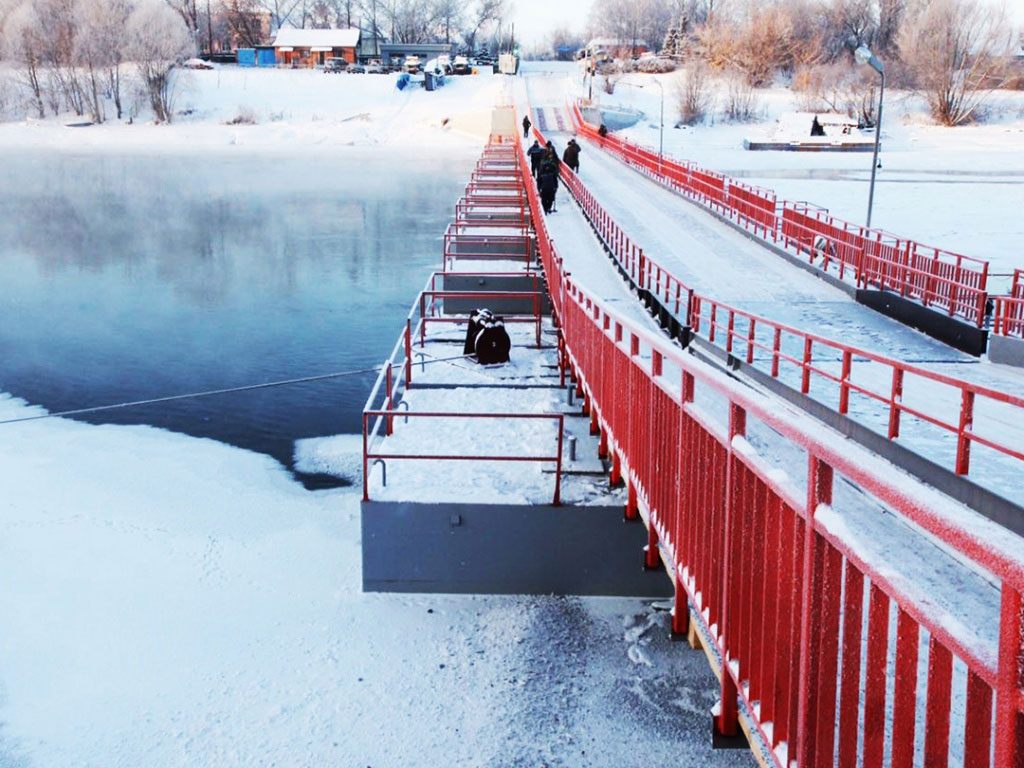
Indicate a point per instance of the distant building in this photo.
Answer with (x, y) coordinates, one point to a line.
(393, 54)
(613, 48)
(309, 47)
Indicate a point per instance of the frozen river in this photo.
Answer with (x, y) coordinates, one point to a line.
(131, 277)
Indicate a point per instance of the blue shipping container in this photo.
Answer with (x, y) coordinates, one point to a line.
(247, 57)
(265, 57)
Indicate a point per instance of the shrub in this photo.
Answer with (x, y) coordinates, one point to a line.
(740, 102)
(693, 93)
(655, 65)
(245, 116)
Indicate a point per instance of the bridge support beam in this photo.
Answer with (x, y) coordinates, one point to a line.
(680, 627)
(652, 555)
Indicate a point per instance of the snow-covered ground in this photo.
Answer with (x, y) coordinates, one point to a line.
(172, 601)
(955, 188)
(284, 110)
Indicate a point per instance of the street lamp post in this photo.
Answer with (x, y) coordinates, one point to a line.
(863, 55)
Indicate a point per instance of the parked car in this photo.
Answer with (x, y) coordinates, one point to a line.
(196, 64)
(335, 65)
(356, 69)
(411, 64)
(461, 66)
(375, 68)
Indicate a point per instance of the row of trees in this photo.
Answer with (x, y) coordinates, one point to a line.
(91, 56)
(955, 51)
(402, 21)
(72, 54)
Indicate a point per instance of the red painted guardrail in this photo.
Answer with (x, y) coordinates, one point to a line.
(1008, 311)
(902, 389)
(462, 241)
(790, 602)
(872, 258)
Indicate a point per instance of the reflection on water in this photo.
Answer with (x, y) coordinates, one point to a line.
(124, 278)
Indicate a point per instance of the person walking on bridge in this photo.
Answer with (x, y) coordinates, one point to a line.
(526, 126)
(571, 156)
(535, 153)
(547, 179)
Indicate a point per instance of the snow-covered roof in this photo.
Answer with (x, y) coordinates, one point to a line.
(317, 38)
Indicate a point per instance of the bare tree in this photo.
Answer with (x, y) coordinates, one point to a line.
(957, 52)
(486, 13)
(449, 15)
(740, 102)
(243, 20)
(632, 22)
(157, 40)
(99, 43)
(281, 11)
(188, 10)
(890, 19)
(57, 25)
(693, 93)
(23, 44)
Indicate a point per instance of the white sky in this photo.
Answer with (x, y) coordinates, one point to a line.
(535, 19)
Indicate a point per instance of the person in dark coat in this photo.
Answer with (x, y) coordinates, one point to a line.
(547, 178)
(602, 131)
(535, 153)
(816, 128)
(571, 156)
(526, 126)
(548, 184)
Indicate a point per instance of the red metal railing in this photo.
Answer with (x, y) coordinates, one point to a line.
(871, 258)
(933, 399)
(471, 242)
(794, 608)
(1008, 311)
(391, 414)
(396, 375)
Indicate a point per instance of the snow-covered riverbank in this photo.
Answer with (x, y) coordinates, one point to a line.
(283, 110)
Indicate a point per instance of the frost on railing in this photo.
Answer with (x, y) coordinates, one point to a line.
(950, 282)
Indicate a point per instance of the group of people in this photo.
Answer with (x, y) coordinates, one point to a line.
(545, 167)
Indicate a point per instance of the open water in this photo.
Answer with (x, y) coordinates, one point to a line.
(131, 277)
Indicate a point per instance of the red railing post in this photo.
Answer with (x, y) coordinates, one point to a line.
(805, 374)
(776, 344)
(895, 403)
(819, 491)
(963, 441)
(391, 402)
(726, 721)
(366, 478)
(1009, 730)
(632, 504)
(408, 352)
(844, 382)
